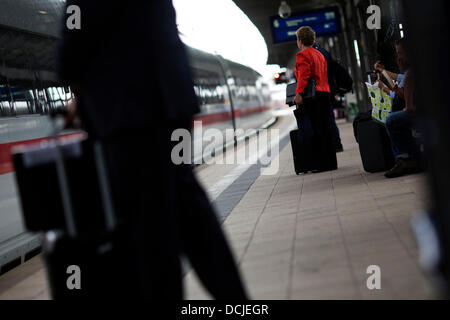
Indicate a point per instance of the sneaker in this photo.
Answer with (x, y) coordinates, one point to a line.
(403, 167)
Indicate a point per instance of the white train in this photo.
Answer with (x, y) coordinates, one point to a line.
(231, 96)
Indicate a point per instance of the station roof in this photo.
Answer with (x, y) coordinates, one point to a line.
(260, 11)
(41, 17)
(29, 31)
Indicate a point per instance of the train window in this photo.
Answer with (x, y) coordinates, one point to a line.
(56, 97)
(18, 100)
(209, 86)
(5, 107)
(41, 100)
(22, 101)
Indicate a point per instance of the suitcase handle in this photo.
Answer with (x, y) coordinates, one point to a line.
(105, 191)
(108, 207)
(63, 182)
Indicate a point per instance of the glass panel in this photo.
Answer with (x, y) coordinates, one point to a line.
(5, 109)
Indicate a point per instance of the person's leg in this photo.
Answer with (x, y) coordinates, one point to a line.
(143, 185)
(313, 114)
(399, 127)
(201, 237)
(204, 242)
(319, 114)
(335, 132)
(306, 138)
(328, 152)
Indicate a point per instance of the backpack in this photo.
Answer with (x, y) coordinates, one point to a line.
(343, 81)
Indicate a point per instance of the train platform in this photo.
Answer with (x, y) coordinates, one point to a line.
(310, 236)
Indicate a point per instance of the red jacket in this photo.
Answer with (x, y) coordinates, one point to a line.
(311, 64)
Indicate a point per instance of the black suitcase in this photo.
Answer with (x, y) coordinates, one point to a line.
(302, 144)
(82, 267)
(65, 193)
(374, 146)
(40, 189)
(362, 116)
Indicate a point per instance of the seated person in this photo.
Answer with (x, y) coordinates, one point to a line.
(399, 124)
(397, 92)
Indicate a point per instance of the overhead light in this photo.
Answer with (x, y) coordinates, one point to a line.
(284, 11)
(43, 12)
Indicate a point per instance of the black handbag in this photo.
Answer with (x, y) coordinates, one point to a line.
(290, 93)
(310, 92)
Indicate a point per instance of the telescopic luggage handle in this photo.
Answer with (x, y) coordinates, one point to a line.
(102, 176)
(105, 191)
(62, 180)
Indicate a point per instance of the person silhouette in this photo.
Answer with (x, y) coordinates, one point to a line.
(126, 64)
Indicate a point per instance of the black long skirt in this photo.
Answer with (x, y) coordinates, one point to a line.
(318, 110)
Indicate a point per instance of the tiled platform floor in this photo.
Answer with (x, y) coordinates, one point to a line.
(313, 236)
(305, 237)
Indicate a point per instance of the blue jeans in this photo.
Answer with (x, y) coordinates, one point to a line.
(399, 126)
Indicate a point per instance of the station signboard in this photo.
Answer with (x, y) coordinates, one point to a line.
(325, 22)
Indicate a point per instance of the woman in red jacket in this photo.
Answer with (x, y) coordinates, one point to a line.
(312, 64)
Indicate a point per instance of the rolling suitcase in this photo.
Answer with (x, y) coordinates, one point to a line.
(65, 193)
(374, 146)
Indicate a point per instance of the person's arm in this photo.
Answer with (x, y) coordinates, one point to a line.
(400, 77)
(380, 67)
(392, 94)
(393, 75)
(71, 116)
(303, 71)
(382, 86)
(400, 92)
(409, 93)
(303, 68)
